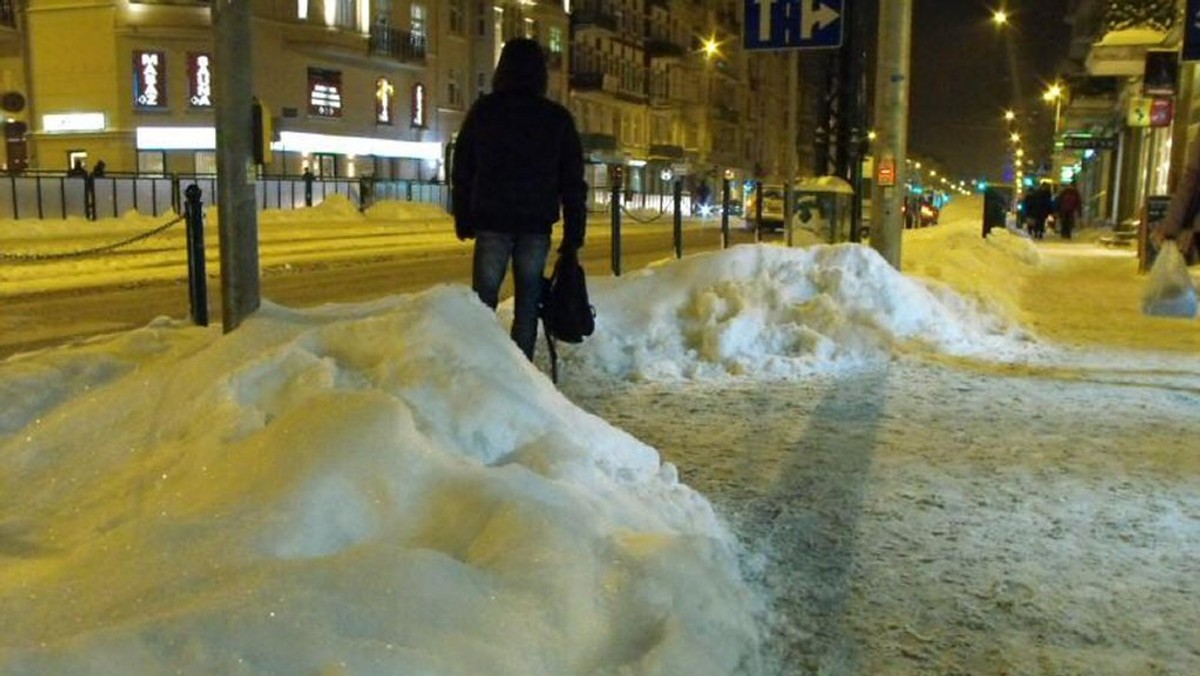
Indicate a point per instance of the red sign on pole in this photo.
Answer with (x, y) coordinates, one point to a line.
(1161, 112)
(886, 174)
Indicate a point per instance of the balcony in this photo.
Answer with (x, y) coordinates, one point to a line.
(398, 44)
(595, 14)
(593, 81)
(661, 46)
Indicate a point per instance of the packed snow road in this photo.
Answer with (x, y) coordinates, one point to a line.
(932, 514)
(64, 300)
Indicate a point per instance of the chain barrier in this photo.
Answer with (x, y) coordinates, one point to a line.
(87, 252)
(653, 218)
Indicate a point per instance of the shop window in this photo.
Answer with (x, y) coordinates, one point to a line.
(206, 161)
(151, 162)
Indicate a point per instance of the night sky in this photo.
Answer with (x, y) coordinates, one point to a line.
(966, 72)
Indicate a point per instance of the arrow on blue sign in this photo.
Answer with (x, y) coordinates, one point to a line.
(793, 24)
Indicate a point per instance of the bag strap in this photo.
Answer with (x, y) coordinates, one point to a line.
(553, 354)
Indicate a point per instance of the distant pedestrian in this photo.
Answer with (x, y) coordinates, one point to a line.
(703, 195)
(98, 170)
(78, 170)
(1068, 205)
(308, 186)
(518, 159)
(1040, 206)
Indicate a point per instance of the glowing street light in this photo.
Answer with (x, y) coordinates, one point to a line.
(1010, 115)
(711, 47)
(1014, 137)
(1054, 93)
(1000, 17)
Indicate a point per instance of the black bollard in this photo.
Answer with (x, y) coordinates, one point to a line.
(725, 214)
(678, 218)
(197, 281)
(616, 228)
(758, 207)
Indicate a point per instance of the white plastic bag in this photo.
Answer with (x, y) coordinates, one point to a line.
(1170, 291)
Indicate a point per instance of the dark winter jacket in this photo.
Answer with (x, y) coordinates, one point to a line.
(518, 157)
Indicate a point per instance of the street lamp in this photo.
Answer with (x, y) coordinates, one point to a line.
(1010, 115)
(1054, 93)
(711, 47)
(1000, 17)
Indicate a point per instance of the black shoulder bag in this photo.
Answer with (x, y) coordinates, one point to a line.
(567, 313)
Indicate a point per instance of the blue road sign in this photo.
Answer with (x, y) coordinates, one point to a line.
(793, 24)
(1191, 32)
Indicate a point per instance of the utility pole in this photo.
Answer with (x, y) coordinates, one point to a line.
(891, 126)
(236, 207)
(793, 134)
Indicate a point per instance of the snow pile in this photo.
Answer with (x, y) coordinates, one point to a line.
(761, 310)
(349, 489)
(983, 272)
(336, 207)
(394, 210)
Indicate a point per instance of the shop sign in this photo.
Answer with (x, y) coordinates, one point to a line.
(1161, 112)
(385, 93)
(199, 80)
(149, 80)
(1088, 142)
(886, 175)
(324, 92)
(418, 105)
(1139, 112)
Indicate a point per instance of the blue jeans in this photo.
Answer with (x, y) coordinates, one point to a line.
(528, 253)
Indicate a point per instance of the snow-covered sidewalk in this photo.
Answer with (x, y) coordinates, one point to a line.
(801, 462)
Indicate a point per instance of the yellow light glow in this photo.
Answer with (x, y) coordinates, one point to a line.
(1015, 137)
(1000, 17)
(711, 47)
(1010, 115)
(1054, 92)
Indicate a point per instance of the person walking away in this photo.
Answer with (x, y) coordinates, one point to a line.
(1069, 206)
(98, 170)
(77, 171)
(517, 160)
(1041, 205)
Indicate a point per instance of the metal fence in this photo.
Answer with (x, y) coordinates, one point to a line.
(54, 196)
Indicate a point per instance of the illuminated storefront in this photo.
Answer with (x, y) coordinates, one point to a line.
(329, 107)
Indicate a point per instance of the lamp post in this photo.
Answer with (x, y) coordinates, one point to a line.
(1055, 93)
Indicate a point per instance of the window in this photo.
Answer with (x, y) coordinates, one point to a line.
(556, 41)
(481, 24)
(498, 17)
(457, 22)
(453, 89)
(530, 28)
(206, 161)
(417, 19)
(385, 93)
(152, 162)
(480, 84)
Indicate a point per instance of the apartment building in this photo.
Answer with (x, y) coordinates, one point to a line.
(380, 87)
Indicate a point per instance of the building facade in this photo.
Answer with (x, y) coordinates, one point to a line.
(1125, 132)
(379, 87)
